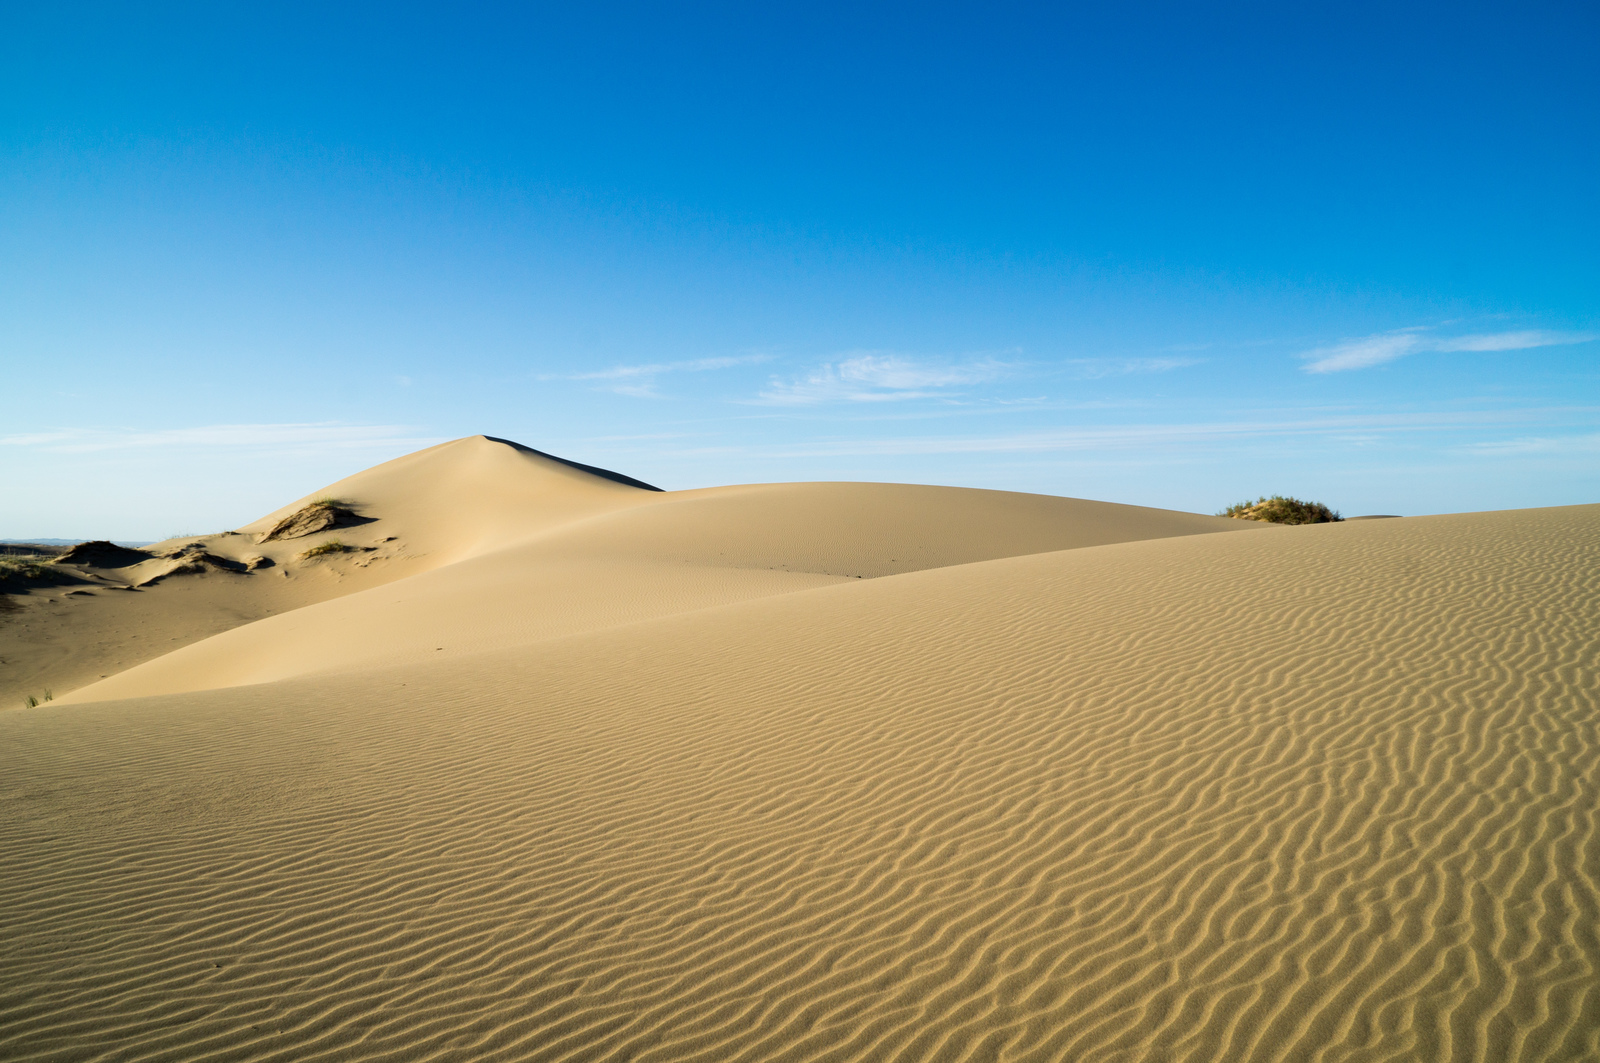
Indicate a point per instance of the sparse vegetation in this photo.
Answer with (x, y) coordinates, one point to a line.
(37, 551)
(329, 546)
(19, 574)
(1281, 509)
(24, 568)
(32, 702)
(328, 502)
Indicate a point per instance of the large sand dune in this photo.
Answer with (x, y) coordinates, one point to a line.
(1055, 780)
(507, 546)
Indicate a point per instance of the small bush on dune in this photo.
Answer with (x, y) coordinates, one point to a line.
(327, 502)
(1280, 509)
(31, 702)
(332, 546)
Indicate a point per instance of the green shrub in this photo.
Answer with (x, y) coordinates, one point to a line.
(1280, 509)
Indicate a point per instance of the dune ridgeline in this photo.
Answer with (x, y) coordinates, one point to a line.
(485, 755)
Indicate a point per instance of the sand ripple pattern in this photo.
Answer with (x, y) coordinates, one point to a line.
(1322, 795)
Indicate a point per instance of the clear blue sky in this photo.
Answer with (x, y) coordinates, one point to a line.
(1174, 255)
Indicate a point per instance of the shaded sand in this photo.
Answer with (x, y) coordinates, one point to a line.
(1303, 794)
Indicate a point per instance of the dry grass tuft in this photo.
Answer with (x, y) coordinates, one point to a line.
(330, 546)
(24, 568)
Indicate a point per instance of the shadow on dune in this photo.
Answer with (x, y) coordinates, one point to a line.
(593, 470)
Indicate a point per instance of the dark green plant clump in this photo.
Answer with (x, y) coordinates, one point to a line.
(1280, 509)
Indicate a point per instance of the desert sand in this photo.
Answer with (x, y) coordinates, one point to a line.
(550, 765)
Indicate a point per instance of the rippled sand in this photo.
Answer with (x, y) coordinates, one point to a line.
(1318, 793)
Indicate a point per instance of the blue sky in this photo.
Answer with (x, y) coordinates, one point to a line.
(1156, 254)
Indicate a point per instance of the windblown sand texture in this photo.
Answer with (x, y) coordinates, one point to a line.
(830, 772)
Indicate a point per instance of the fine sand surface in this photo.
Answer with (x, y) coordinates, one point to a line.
(827, 772)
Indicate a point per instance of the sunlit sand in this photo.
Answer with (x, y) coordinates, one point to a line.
(543, 763)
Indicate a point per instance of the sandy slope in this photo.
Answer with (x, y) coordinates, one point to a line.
(1307, 794)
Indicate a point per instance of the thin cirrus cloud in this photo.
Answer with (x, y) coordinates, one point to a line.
(1158, 438)
(878, 377)
(639, 381)
(241, 436)
(1368, 351)
(1100, 368)
(1532, 445)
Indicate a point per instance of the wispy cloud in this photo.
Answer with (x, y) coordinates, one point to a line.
(1363, 352)
(1513, 341)
(870, 376)
(36, 439)
(639, 381)
(1577, 444)
(1286, 426)
(1100, 368)
(1096, 438)
(1367, 351)
(321, 435)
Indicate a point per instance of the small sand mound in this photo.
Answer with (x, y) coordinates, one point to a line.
(318, 516)
(192, 560)
(100, 553)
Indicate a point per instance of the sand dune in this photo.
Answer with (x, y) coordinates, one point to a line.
(413, 514)
(572, 552)
(1300, 794)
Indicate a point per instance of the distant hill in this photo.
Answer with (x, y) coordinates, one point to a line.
(70, 542)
